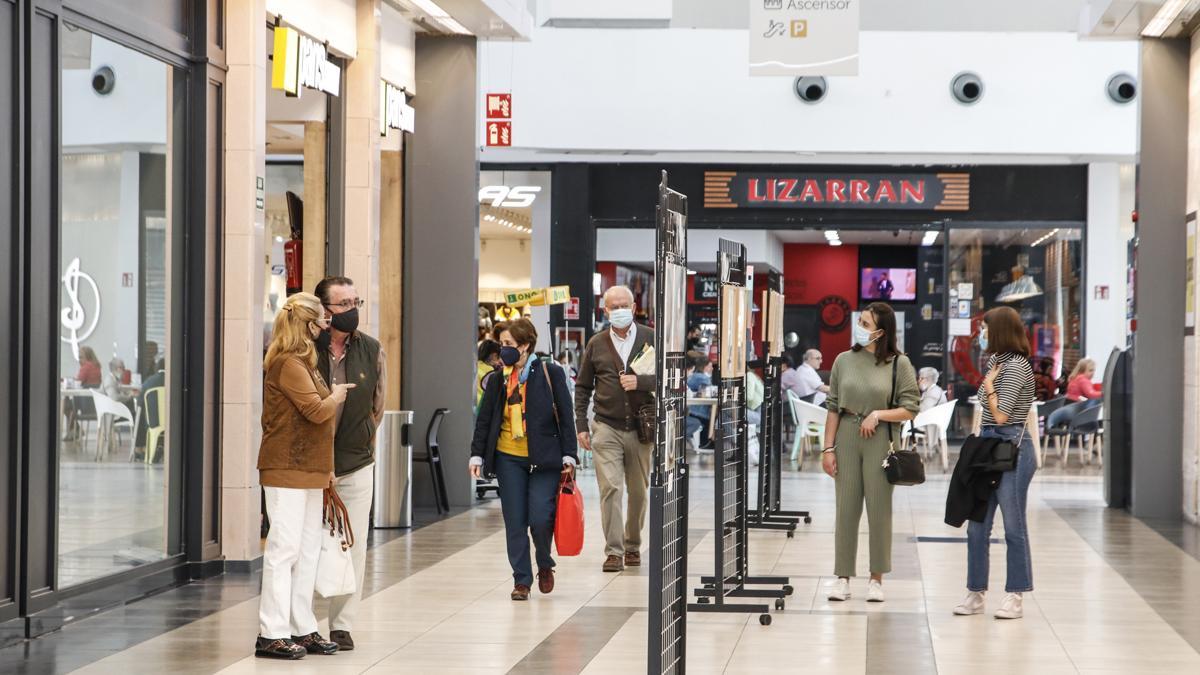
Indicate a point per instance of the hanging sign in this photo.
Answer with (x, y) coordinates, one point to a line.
(538, 297)
(299, 61)
(909, 191)
(498, 128)
(571, 311)
(498, 134)
(394, 110)
(803, 37)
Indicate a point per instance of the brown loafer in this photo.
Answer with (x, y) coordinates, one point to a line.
(613, 564)
(545, 580)
(342, 637)
(633, 559)
(520, 592)
(315, 644)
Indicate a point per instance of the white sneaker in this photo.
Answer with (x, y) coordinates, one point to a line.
(974, 603)
(874, 591)
(841, 590)
(1011, 608)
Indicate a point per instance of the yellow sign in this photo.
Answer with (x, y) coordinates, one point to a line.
(299, 61)
(284, 74)
(558, 295)
(525, 297)
(538, 297)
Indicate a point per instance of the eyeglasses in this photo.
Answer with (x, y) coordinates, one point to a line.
(356, 303)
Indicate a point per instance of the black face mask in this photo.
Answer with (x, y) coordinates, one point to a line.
(323, 340)
(347, 321)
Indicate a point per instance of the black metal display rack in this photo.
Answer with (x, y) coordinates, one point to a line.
(731, 555)
(667, 625)
(770, 514)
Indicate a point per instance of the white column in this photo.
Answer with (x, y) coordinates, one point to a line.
(243, 271)
(362, 164)
(1110, 197)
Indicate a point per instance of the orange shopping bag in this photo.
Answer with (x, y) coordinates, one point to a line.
(568, 519)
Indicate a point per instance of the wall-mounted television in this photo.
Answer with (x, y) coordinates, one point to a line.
(890, 284)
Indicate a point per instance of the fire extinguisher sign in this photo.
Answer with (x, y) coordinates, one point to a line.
(497, 130)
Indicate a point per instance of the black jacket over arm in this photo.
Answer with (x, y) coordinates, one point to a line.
(550, 438)
(971, 488)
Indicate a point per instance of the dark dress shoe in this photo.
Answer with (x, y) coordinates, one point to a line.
(545, 580)
(613, 564)
(315, 644)
(266, 648)
(343, 640)
(520, 592)
(633, 559)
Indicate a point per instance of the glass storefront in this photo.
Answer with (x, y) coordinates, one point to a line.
(120, 128)
(1037, 272)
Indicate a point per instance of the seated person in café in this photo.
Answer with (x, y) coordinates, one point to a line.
(811, 384)
(931, 394)
(75, 408)
(1080, 386)
(1043, 377)
(698, 415)
(1080, 389)
(150, 411)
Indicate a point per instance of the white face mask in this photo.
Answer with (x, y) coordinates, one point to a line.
(862, 336)
(621, 318)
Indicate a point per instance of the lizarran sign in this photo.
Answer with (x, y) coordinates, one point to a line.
(906, 191)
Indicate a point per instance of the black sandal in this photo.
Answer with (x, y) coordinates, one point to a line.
(280, 648)
(315, 644)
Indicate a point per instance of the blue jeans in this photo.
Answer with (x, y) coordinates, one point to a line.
(1011, 496)
(528, 502)
(1062, 416)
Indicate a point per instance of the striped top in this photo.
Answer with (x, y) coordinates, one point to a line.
(1015, 388)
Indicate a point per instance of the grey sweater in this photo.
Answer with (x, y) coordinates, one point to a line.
(600, 375)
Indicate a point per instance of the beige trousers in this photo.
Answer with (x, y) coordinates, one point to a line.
(622, 463)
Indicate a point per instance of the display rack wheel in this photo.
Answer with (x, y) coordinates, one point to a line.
(791, 534)
(703, 601)
(788, 589)
(480, 493)
(764, 619)
(779, 604)
(807, 520)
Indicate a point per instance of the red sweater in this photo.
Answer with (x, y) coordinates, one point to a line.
(1081, 387)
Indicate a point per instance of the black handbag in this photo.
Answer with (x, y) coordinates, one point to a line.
(902, 467)
(994, 454)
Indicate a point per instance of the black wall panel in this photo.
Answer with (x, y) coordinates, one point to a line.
(10, 218)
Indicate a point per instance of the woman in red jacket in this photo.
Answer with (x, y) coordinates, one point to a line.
(1079, 385)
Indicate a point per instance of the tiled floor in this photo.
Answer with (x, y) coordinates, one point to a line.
(1113, 595)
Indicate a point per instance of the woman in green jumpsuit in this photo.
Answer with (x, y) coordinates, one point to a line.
(860, 399)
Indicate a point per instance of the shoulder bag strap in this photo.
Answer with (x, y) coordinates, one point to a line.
(892, 402)
(550, 385)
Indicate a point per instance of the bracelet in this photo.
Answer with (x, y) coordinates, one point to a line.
(829, 449)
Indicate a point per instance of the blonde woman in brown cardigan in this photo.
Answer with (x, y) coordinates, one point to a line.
(295, 463)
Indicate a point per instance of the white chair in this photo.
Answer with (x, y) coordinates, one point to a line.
(116, 413)
(938, 417)
(810, 420)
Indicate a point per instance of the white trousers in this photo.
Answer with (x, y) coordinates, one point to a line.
(290, 563)
(356, 490)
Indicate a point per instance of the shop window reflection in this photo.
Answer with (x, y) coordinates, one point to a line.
(118, 128)
(1038, 272)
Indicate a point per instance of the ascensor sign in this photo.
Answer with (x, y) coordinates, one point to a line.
(915, 191)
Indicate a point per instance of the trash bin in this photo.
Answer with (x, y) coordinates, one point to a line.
(393, 470)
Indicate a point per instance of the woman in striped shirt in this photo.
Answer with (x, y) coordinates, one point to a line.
(1007, 396)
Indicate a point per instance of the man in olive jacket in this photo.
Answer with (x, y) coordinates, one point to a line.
(622, 461)
(346, 355)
